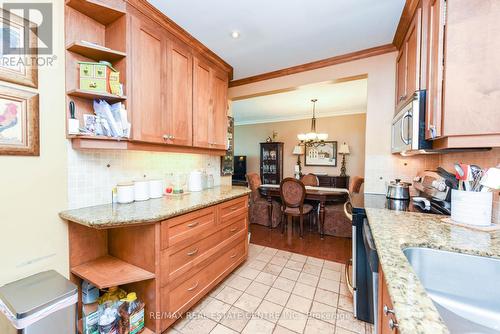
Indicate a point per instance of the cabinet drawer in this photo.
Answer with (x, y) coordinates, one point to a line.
(179, 261)
(187, 226)
(197, 285)
(233, 208)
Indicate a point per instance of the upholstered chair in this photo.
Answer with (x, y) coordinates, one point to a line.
(258, 210)
(293, 193)
(310, 180)
(338, 215)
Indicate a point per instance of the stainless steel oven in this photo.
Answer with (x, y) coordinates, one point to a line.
(408, 126)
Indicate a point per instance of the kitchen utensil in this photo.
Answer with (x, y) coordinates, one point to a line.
(141, 190)
(450, 179)
(398, 190)
(73, 123)
(155, 188)
(125, 192)
(477, 174)
(470, 207)
(195, 182)
(491, 180)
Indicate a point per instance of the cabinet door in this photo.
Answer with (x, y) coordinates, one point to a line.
(435, 44)
(385, 319)
(218, 121)
(400, 77)
(202, 105)
(412, 45)
(180, 99)
(148, 47)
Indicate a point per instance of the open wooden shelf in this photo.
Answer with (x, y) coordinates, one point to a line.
(80, 328)
(97, 10)
(95, 95)
(95, 52)
(108, 271)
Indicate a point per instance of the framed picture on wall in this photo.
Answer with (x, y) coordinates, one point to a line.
(15, 66)
(19, 128)
(324, 155)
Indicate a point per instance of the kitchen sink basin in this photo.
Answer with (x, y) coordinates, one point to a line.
(464, 288)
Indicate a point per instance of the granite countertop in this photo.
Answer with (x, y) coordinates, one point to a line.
(392, 232)
(151, 211)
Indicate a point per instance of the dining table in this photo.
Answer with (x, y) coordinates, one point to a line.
(322, 195)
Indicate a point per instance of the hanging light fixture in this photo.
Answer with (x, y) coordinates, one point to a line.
(312, 138)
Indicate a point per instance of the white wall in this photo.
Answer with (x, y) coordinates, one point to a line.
(380, 165)
(33, 189)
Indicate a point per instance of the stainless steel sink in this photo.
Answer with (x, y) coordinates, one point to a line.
(464, 288)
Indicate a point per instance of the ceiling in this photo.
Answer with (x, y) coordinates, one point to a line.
(277, 34)
(334, 98)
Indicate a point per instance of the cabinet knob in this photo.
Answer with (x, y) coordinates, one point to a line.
(393, 324)
(387, 310)
(165, 137)
(171, 137)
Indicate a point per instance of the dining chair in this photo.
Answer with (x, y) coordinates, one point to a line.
(293, 193)
(258, 205)
(310, 180)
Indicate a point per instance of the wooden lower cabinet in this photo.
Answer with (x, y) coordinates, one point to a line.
(387, 323)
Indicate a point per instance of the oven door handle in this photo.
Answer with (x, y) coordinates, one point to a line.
(347, 278)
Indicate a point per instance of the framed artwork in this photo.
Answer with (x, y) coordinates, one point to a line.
(19, 128)
(18, 68)
(324, 155)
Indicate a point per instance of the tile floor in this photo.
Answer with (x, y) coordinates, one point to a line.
(277, 292)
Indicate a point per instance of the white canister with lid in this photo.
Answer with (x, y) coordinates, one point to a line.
(125, 192)
(141, 190)
(156, 188)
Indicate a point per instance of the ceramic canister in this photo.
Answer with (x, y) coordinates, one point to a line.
(155, 188)
(125, 192)
(141, 190)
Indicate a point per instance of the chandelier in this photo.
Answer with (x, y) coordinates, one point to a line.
(312, 138)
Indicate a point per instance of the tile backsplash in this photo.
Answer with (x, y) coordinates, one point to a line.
(92, 174)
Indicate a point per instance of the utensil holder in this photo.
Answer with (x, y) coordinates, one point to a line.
(472, 208)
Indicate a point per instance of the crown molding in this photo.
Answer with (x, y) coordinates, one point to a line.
(404, 22)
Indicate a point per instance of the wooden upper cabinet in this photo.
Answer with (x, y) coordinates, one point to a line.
(148, 46)
(202, 102)
(435, 46)
(179, 95)
(218, 124)
(408, 62)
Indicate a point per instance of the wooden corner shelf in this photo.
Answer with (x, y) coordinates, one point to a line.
(80, 329)
(97, 10)
(95, 52)
(95, 95)
(108, 271)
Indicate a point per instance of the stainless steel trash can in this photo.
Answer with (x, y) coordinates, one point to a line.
(40, 304)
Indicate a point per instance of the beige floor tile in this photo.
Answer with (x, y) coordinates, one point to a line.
(277, 296)
(273, 269)
(299, 304)
(236, 319)
(330, 265)
(278, 260)
(298, 257)
(326, 297)
(345, 303)
(340, 330)
(304, 290)
(258, 325)
(347, 321)
(239, 282)
(311, 269)
(284, 284)
(315, 261)
(229, 295)
(265, 278)
(342, 277)
(201, 304)
(220, 329)
(257, 289)
(216, 290)
(264, 257)
(308, 279)
(269, 311)
(248, 302)
(269, 251)
(369, 328)
(323, 312)
(293, 320)
(316, 326)
(215, 310)
(199, 325)
(290, 274)
(329, 285)
(283, 254)
(294, 265)
(179, 324)
(282, 330)
(256, 247)
(344, 290)
(249, 273)
(331, 274)
(256, 264)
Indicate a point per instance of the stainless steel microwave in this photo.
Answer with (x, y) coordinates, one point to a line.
(408, 126)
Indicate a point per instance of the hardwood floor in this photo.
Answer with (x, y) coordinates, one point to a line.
(331, 248)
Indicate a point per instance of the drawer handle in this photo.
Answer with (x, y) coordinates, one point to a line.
(191, 253)
(193, 287)
(193, 224)
(234, 208)
(387, 310)
(234, 229)
(233, 256)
